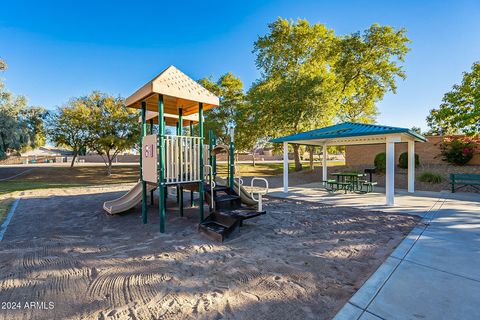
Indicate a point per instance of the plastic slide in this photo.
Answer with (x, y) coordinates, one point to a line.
(128, 200)
(244, 194)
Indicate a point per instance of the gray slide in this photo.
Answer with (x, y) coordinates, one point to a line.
(244, 194)
(128, 200)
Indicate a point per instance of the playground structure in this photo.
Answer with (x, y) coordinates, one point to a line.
(182, 161)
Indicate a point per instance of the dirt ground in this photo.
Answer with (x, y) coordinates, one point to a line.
(62, 253)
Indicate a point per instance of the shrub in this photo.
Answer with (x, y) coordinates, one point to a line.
(458, 150)
(380, 162)
(3, 155)
(403, 160)
(430, 177)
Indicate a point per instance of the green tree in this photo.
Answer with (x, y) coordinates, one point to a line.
(248, 133)
(233, 109)
(366, 67)
(70, 127)
(311, 78)
(21, 127)
(416, 129)
(459, 111)
(229, 89)
(34, 118)
(294, 91)
(113, 128)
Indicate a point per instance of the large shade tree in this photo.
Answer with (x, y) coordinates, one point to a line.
(234, 110)
(366, 67)
(459, 111)
(21, 127)
(229, 89)
(69, 127)
(113, 127)
(98, 122)
(34, 118)
(294, 91)
(310, 77)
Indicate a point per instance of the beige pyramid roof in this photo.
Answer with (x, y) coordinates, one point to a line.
(178, 90)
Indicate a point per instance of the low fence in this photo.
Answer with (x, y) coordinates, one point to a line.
(428, 152)
(95, 158)
(26, 160)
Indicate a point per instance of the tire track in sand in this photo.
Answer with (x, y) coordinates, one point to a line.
(120, 288)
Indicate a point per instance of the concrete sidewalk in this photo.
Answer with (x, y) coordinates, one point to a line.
(434, 273)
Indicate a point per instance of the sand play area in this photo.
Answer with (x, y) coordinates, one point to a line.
(299, 261)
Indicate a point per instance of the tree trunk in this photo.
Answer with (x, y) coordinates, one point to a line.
(2, 135)
(296, 156)
(310, 150)
(73, 160)
(253, 158)
(109, 169)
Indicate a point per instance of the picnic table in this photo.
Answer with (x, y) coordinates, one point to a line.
(349, 181)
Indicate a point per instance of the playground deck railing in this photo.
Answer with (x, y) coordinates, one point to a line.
(182, 164)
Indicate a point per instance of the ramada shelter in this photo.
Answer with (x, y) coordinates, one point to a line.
(350, 133)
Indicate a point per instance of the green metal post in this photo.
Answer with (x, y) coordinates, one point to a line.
(214, 163)
(161, 164)
(232, 165)
(210, 147)
(210, 162)
(180, 131)
(191, 192)
(144, 183)
(200, 127)
(178, 187)
(151, 191)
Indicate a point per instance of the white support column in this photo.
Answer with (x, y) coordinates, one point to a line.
(285, 167)
(411, 166)
(390, 170)
(324, 163)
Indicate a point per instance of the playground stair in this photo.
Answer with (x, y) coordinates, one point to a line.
(228, 215)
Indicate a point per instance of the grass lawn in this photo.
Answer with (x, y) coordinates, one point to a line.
(267, 169)
(5, 205)
(65, 177)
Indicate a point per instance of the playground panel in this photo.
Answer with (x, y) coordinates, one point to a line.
(149, 159)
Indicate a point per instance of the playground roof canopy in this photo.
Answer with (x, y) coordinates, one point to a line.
(178, 90)
(350, 133)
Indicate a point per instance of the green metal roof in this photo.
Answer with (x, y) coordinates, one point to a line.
(345, 130)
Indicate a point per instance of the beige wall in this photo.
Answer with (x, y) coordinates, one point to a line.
(429, 152)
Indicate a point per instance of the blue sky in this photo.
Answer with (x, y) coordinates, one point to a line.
(59, 49)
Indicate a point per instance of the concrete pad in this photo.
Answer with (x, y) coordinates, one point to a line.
(404, 203)
(369, 316)
(416, 292)
(467, 233)
(401, 251)
(460, 258)
(457, 217)
(373, 285)
(348, 312)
